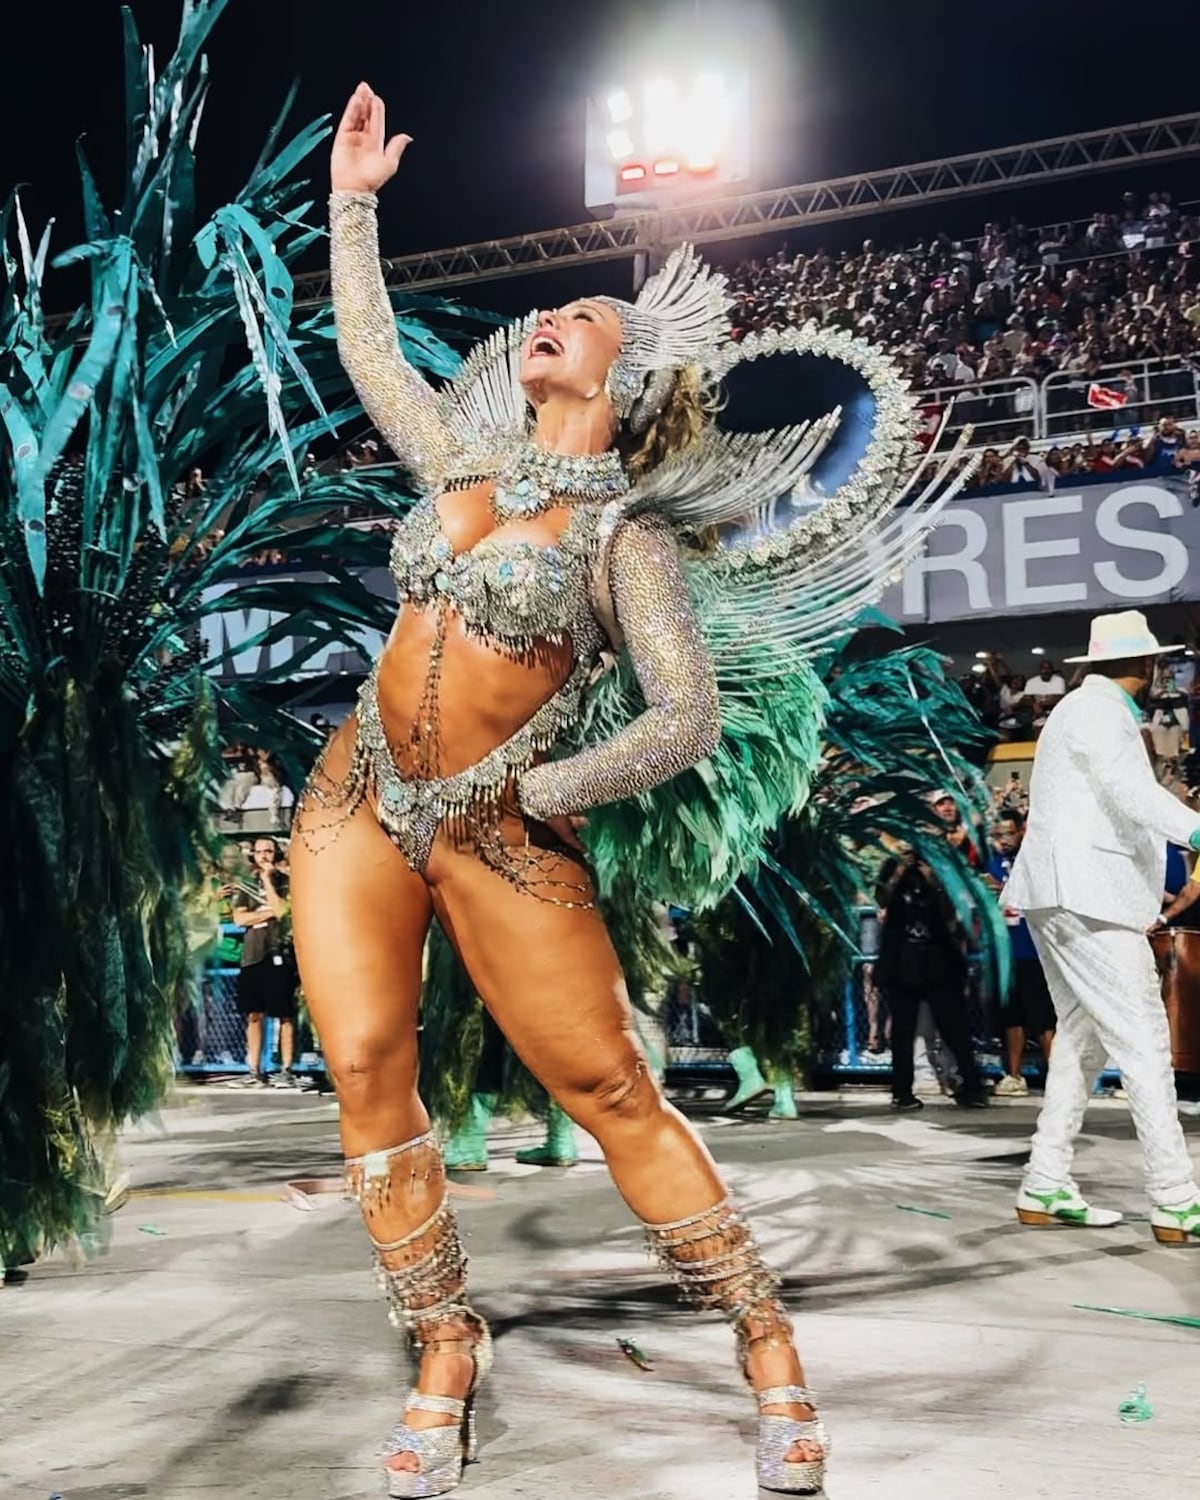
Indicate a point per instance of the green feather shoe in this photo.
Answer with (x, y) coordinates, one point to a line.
(784, 1107)
(750, 1082)
(467, 1148)
(558, 1149)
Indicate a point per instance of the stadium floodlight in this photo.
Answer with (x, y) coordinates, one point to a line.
(668, 138)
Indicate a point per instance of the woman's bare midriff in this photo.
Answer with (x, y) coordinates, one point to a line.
(483, 695)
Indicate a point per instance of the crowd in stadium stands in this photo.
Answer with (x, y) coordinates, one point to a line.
(1123, 287)
(1017, 705)
(1167, 450)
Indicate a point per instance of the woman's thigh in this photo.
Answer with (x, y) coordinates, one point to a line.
(548, 974)
(360, 917)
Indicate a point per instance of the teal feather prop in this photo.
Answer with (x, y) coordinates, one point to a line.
(782, 944)
(189, 351)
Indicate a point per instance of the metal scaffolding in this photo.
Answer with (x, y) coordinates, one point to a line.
(779, 209)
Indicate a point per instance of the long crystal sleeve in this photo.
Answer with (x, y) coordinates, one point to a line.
(397, 398)
(680, 725)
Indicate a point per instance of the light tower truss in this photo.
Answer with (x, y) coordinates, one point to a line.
(778, 209)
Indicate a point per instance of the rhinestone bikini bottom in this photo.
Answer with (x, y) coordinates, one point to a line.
(470, 803)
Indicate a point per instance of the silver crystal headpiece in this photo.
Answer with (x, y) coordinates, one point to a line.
(681, 317)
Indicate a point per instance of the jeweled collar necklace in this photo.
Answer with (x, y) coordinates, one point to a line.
(531, 480)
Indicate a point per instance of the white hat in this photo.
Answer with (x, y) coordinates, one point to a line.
(1122, 637)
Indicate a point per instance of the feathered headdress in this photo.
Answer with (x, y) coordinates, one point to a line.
(681, 317)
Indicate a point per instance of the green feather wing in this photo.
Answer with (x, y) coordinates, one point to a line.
(688, 841)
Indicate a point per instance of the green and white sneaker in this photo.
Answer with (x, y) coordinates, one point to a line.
(1063, 1205)
(1175, 1226)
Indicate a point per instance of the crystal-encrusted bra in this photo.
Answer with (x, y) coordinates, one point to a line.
(505, 588)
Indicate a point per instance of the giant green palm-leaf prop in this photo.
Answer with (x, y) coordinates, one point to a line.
(188, 351)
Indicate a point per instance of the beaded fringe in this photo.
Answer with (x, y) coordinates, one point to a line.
(715, 1262)
(423, 1274)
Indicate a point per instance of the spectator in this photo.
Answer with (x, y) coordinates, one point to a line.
(949, 814)
(991, 469)
(1016, 706)
(1021, 466)
(1030, 1010)
(1045, 689)
(267, 979)
(1168, 722)
(1048, 683)
(1166, 442)
(921, 959)
(242, 778)
(269, 774)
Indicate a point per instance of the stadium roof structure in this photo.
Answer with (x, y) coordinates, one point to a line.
(778, 209)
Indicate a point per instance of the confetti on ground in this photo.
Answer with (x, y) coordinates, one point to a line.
(1178, 1319)
(632, 1353)
(151, 1229)
(1135, 1408)
(928, 1213)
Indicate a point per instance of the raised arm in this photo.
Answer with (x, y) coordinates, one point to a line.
(680, 725)
(396, 397)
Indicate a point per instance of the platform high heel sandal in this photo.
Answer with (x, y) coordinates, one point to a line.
(423, 1275)
(716, 1265)
(776, 1436)
(440, 1451)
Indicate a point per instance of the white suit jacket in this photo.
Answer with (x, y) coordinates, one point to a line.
(1099, 822)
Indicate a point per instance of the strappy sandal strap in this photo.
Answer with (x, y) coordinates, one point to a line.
(786, 1395)
(442, 1406)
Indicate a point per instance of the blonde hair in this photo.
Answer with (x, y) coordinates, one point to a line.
(686, 412)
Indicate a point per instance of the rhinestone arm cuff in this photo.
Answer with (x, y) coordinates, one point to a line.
(396, 397)
(681, 724)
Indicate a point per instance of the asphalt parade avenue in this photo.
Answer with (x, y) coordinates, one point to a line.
(232, 1343)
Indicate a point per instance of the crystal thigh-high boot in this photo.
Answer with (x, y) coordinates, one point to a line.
(423, 1274)
(716, 1264)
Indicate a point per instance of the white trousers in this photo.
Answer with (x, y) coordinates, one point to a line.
(1107, 995)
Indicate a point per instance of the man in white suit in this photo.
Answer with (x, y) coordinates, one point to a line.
(1089, 879)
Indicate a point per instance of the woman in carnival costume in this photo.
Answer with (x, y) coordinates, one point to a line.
(560, 470)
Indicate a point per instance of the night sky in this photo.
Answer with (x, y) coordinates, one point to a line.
(493, 94)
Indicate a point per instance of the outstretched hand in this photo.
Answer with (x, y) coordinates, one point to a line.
(363, 160)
